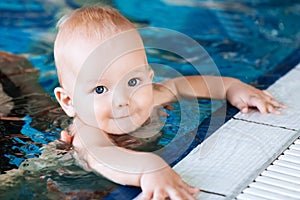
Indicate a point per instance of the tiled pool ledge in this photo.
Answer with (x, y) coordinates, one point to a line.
(229, 160)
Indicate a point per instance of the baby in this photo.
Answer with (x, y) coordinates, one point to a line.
(106, 86)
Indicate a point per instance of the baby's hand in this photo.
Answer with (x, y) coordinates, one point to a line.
(64, 136)
(165, 183)
(244, 96)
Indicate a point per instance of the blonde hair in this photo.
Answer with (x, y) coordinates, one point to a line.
(90, 24)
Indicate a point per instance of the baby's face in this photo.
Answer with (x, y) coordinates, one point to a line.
(117, 98)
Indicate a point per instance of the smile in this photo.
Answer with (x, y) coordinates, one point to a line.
(122, 117)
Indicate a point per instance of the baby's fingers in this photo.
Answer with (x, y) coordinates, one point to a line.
(242, 106)
(273, 106)
(272, 109)
(180, 194)
(193, 190)
(190, 189)
(168, 107)
(270, 98)
(184, 191)
(163, 114)
(266, 105)
(160, 195)
(146, 195)
(277, 104)
(259, 103)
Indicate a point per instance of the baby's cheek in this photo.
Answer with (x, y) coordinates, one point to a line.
(101, 112)
(85, 110)
(144, 101)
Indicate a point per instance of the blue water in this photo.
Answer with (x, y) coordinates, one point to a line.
(248, 39)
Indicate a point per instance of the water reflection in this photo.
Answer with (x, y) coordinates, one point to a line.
(54, 175)
(23, 96)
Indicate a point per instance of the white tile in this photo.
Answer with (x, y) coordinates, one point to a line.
(233, 156)
(230, 159)
(287, 91)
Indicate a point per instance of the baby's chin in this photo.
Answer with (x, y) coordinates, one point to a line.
(121, 130)
(124, 126)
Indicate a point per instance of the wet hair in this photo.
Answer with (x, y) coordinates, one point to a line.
(90, 24)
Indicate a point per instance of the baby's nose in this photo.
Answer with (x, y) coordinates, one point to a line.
(121, 99)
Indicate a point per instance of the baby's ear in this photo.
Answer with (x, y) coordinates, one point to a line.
(151, 74)
(65, 101)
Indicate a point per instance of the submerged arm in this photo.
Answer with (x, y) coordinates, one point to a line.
(127, 167)
(118, 164)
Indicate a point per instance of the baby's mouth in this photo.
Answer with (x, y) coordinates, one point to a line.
(122, 115)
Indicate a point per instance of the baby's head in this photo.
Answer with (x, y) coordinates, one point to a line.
(103, 71)
(80, 32)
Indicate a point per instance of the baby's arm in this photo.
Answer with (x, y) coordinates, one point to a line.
(127, 167)
(244, 96)
(237, 93)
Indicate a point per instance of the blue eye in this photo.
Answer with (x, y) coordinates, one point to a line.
(133, 82)
(101, 89)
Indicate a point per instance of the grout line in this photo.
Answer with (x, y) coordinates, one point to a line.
(265, 124)
(214, 193)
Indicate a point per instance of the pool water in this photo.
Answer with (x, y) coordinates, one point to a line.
(255, 41)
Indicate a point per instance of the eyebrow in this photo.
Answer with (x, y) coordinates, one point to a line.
(93, 82)
(138, 69)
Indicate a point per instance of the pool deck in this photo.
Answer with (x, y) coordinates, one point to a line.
(234, 155)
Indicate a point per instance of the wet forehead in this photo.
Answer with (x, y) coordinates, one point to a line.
(129, 64)
(122, 50)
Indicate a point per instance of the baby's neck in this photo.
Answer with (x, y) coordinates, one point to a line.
(149, 128)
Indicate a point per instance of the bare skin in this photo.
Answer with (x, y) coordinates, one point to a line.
(147, 170)
(116, 95)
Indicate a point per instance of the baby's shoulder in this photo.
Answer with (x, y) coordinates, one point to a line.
(158, 86)
(163, 93)
(163, 86)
